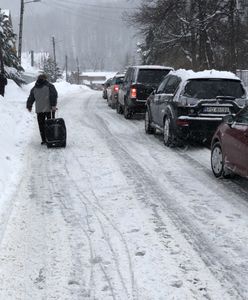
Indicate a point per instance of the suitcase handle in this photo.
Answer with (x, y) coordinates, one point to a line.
(53, 113)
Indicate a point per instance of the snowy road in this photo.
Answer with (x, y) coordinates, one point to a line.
(116, 215)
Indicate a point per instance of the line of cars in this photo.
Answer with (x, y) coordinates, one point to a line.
(208, 106)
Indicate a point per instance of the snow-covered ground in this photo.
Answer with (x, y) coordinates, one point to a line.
(115, 215)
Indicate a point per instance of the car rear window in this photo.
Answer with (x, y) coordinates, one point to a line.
(151, 76)
(119, 80)
(211, 88)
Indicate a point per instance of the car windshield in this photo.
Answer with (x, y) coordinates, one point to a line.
(211, 88)
(151, 76)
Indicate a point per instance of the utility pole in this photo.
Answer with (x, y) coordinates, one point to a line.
(66, 68)
(19, 55)
(32, 58)
(54, 58)
(78, 80)
(54, 50)
(20, 32)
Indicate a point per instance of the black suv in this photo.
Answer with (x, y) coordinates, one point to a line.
(189, 105)
(137, 85)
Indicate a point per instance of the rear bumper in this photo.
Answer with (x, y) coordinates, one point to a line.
(197, 128)
(136, 105)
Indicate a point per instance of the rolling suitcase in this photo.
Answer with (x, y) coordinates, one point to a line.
(55, 131)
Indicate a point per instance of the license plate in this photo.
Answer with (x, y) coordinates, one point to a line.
(216, 109)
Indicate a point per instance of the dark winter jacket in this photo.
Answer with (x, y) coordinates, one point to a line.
(3, 82)
(44, 95)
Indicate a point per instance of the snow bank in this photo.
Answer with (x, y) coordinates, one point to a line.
(64, 87)
(17, 127)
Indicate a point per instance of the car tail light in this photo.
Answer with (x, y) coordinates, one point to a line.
(116, 88)
(133, 92)
(182, 123)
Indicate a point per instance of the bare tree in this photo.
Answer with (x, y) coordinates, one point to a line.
(189, 33)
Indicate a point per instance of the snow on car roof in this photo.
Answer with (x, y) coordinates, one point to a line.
(119, 75)
(153, 67)
(214, 74)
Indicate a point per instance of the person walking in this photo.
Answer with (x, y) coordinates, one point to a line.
(3, 83)
(45, 96)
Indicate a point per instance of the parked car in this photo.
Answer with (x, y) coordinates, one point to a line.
(138, 83)
(229, 148)
(113, 90)
(190, 105)
(105, 86)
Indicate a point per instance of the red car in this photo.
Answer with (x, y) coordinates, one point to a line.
(229, 148)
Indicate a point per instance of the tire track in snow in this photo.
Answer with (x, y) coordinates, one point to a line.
(65, 207)
(84, 122)
(137, 173)
(100, 210)
(71, 216)
(96, 206)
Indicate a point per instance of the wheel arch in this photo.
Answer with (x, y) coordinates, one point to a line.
(168, 111)
(214, 141)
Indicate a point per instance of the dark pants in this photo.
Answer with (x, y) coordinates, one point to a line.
(41, 117)
(2, 89)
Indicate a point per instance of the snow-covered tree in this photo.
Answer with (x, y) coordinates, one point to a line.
(51, 69)
(7, 39)
(195, 34)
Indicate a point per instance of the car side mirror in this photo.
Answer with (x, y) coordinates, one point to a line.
(229, 119)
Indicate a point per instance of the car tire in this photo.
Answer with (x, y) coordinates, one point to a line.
(119, 109)
(169, 137)
(217, 162)
(148, 128)
(108, 101)
(127, 113)
(113, 105)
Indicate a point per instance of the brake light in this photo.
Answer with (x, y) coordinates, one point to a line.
(116, 88)
(182, 123)
(133, 93)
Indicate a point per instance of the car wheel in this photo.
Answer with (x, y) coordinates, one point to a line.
(218, 163)
(168, 134)
(148, 128)
(118, 108)
(127, 113)
(108, 101)
(112, 105)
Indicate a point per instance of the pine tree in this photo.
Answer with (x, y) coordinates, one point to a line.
(51, 69)
(8, 38)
